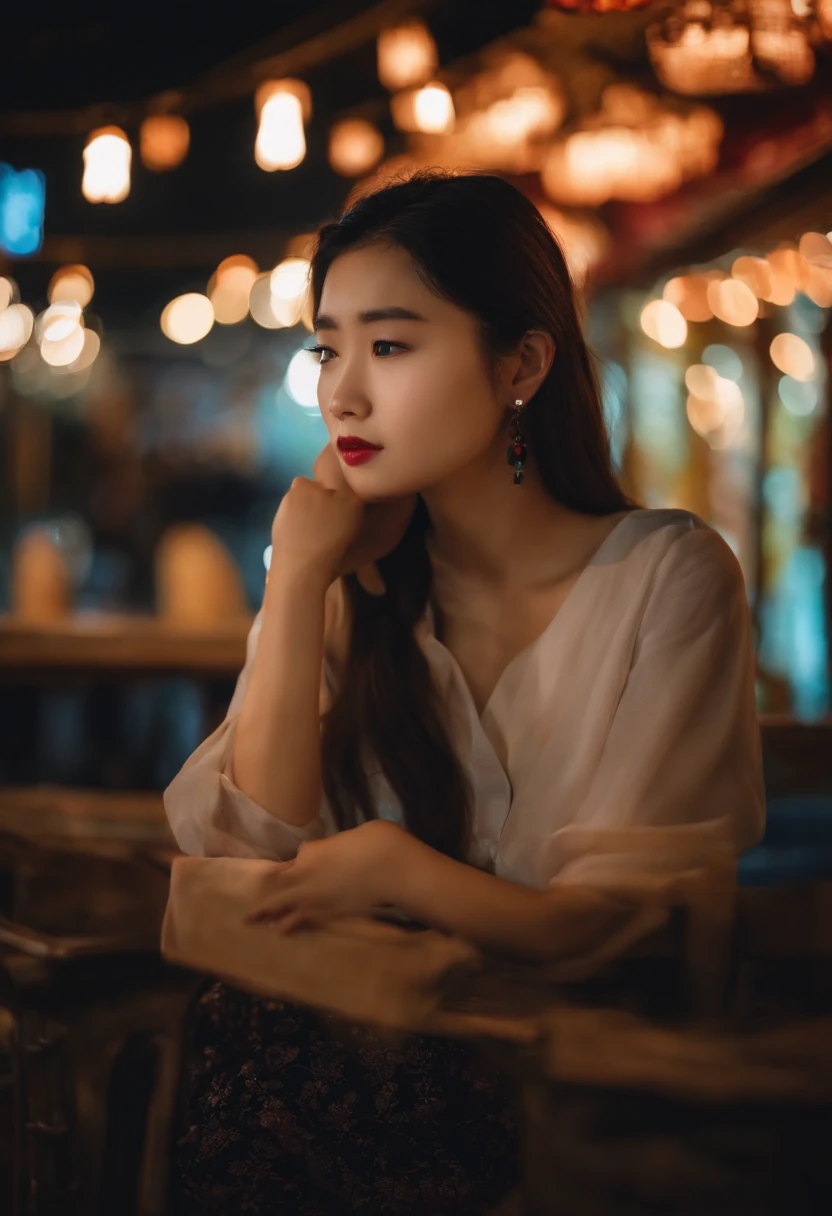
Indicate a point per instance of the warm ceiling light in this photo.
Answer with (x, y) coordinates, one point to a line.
(355, 147)
(792, 355)
(406, 56)
(107, 158)
(163, 141)
(188, 318)
(283, 106)
(429, 110)
(72, 283)
(663, 322)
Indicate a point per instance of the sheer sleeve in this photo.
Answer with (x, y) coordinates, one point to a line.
(679, 783)
(210, 816)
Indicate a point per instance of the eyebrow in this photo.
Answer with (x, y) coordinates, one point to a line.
(374, 314)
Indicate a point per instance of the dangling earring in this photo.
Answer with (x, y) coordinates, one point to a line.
(516, 455)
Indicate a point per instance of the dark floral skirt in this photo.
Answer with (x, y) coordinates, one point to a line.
(297, 1113)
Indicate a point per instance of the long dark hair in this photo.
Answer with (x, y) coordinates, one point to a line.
(481, 244)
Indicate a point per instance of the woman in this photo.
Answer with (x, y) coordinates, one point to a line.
(495, 697)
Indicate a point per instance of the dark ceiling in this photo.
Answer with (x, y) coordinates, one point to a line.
(101, 63)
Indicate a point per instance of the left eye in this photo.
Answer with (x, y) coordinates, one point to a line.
(381, 342)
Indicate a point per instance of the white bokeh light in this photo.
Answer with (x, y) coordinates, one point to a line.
(301, 381)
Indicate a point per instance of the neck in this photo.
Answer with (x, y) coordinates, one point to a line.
(485, 527)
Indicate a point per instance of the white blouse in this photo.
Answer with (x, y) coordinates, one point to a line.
(621, 745)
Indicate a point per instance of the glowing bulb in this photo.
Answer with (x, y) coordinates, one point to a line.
(429, 110)
(302, 379)
(280, 143)
(163, 141)
(406, 56)
(188, 318)
(107, 158)
(355, 147)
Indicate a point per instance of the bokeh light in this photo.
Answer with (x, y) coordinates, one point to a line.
(429, 109)
(302, 377)
(406, 55)
(188, 318)
(230, 288)
(72, 283)
(793, 355)
(282, 105)
(16, 325)
(800, 397)
(724, 359)
(663, 322)
(107, 158)
(164, 140)
(355, 147)
(733, 302)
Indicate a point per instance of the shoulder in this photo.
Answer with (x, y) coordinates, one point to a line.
(672, 544)
(691, 581)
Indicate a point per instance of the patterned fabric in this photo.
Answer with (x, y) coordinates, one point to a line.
(297, 1113)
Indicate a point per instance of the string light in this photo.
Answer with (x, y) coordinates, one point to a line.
(282, 106)
(107, 158)
(164, 140)
(406, 56)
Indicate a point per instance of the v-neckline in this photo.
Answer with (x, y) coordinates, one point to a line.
(430, 617)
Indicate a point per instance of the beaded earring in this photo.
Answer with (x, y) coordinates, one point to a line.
(516, 455)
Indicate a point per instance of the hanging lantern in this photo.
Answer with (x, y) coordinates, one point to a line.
(406, 56)
(711, 47)
(636, 148)
(107, 158)
(283, 106)
(164, 140)
(429, 109)
(355, 147)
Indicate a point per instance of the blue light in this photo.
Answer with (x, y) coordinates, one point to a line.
(22, 200)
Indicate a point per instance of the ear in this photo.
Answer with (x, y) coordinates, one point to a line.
(532, 363)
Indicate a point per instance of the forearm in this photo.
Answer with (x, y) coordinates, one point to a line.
(277, 750)
(495, 914)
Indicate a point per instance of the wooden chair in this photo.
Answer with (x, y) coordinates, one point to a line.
(93, 1032)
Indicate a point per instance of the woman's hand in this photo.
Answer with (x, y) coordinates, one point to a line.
(323, 525)
(350, 874)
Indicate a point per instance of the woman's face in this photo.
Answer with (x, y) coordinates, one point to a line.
(415, 384)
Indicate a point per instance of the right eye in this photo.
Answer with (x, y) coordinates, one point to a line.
(321, 351)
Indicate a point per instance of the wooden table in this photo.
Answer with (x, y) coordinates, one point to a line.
(113, 646)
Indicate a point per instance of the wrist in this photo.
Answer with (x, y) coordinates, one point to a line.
(394, 850)
(289, 575)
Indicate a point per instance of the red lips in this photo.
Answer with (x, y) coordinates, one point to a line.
(351, 443)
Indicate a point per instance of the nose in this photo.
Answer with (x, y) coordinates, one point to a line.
(347, 398)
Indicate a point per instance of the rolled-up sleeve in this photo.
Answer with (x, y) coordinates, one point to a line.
(210, 816)
(679, 786)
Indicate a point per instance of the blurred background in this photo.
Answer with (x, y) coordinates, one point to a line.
(161, 171)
